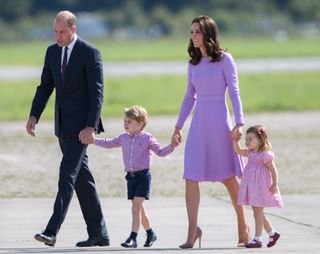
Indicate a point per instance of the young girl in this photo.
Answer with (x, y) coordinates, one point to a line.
(136, 147)
(259, 184)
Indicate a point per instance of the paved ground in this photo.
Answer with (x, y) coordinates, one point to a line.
(298, 222)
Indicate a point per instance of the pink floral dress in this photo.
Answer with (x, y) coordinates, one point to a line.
(256, 180)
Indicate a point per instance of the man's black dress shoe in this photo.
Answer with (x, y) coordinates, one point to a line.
(130, 243)
(94, 241)
(150, 240)
(46, 238)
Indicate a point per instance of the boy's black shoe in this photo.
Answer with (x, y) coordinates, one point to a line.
(130, 243)
(151, 238)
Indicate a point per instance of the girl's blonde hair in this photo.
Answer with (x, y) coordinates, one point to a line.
(137, 113)
(260, 132)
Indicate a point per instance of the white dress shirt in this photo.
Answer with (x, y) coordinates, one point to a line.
(70, 48)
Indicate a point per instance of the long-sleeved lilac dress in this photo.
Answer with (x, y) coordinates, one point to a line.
(209, 154)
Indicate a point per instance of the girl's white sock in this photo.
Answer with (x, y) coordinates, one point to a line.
(257, 238)
(271, 233)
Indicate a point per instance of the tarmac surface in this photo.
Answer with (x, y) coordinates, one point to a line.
(298, 222)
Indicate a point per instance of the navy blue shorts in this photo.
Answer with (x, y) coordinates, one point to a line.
(138, 184)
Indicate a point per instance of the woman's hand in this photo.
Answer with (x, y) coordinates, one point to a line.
(177, 133)
(175, 141)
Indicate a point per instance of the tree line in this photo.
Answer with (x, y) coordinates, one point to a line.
(233, 16)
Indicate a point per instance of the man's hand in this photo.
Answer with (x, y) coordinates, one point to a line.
(31, 126)
(86, 136)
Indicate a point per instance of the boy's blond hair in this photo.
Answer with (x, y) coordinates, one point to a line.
(137, 113)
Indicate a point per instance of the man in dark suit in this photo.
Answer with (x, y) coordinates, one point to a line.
(74, 68)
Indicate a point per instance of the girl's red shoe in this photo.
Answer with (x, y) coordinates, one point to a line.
(273, 239)
(254, 244)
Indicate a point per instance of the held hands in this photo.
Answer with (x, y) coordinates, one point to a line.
(86, 136)
(234, 136)
(175, 141)
(236, 133)
(178, 132)
(176, 137)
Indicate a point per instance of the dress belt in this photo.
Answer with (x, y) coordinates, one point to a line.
(208, 98)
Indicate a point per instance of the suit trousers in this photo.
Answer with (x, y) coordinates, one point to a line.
(75, 175)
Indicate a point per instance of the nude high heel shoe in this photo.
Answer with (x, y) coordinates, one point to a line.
(190, 245)
(245, 242)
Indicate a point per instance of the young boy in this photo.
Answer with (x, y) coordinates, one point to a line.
(137, 145)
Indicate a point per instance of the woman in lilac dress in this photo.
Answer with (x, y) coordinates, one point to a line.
(209, 154)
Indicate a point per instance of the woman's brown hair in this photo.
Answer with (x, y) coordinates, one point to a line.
(210, 31)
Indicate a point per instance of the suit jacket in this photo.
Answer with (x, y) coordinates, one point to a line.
(79, 99)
